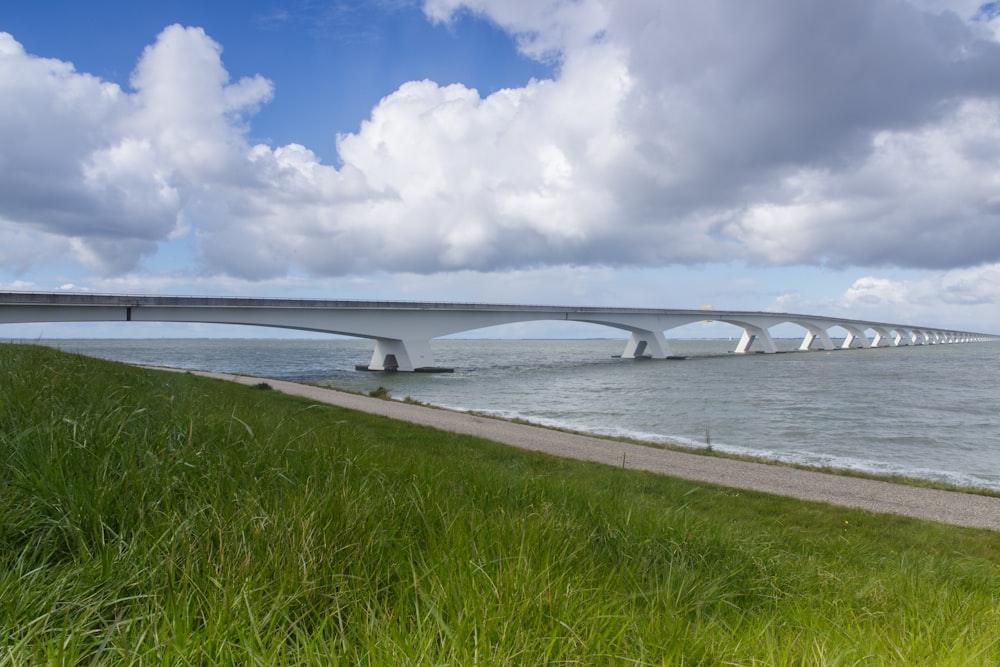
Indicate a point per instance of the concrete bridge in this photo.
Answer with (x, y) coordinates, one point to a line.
(402, 331)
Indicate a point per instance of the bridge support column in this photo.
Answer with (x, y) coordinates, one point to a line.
(855, 335)
(812, 334)
(651, 344)
(903, 337)
(391, 354)
(881, 336)
(751, 334)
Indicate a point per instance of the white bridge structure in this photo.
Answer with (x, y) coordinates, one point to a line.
(402, 331)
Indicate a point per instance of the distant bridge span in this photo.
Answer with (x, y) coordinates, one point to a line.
(402, 331)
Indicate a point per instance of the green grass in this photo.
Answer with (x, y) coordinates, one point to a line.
(159, 518)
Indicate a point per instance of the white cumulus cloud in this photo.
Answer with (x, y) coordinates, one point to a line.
(959, 298)
(859, 133)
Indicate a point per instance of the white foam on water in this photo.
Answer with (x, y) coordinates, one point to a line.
(798, 458)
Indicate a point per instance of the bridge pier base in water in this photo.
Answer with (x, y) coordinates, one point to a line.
(854, 335)
(393, 354)
(751, 334)
(644, 344)
(881, 336)
(814, 333)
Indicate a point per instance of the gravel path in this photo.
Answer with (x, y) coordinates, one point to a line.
(960, 509)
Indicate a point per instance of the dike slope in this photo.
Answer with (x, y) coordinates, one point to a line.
(951, 507)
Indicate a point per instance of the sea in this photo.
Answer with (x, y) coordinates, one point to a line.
(930, 412)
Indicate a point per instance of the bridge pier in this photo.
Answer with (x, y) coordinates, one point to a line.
(854, 335)
(752, 333)
(903, 338)
(814, 332)
(881, 335)
(646, 344)
(393, 354)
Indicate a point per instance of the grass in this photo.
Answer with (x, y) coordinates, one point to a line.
(161, 518)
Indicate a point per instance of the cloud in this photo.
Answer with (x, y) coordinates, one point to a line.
(51, 120)
(547, 29)
(961, 298)
(865, 133)
(113, 172)
(925, 198)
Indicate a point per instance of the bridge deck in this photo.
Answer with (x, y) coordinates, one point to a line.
(402, 330)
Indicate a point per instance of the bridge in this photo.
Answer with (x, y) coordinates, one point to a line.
(402, 331)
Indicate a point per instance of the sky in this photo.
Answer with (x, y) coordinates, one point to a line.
(812, 157)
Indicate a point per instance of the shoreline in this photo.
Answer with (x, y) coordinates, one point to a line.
(950, 507)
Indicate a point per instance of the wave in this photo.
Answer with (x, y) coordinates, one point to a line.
(801, 458)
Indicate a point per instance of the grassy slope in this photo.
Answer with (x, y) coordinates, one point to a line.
(160, 518)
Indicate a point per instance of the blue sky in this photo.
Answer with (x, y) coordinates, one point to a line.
(330, 62)
(837, 159)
